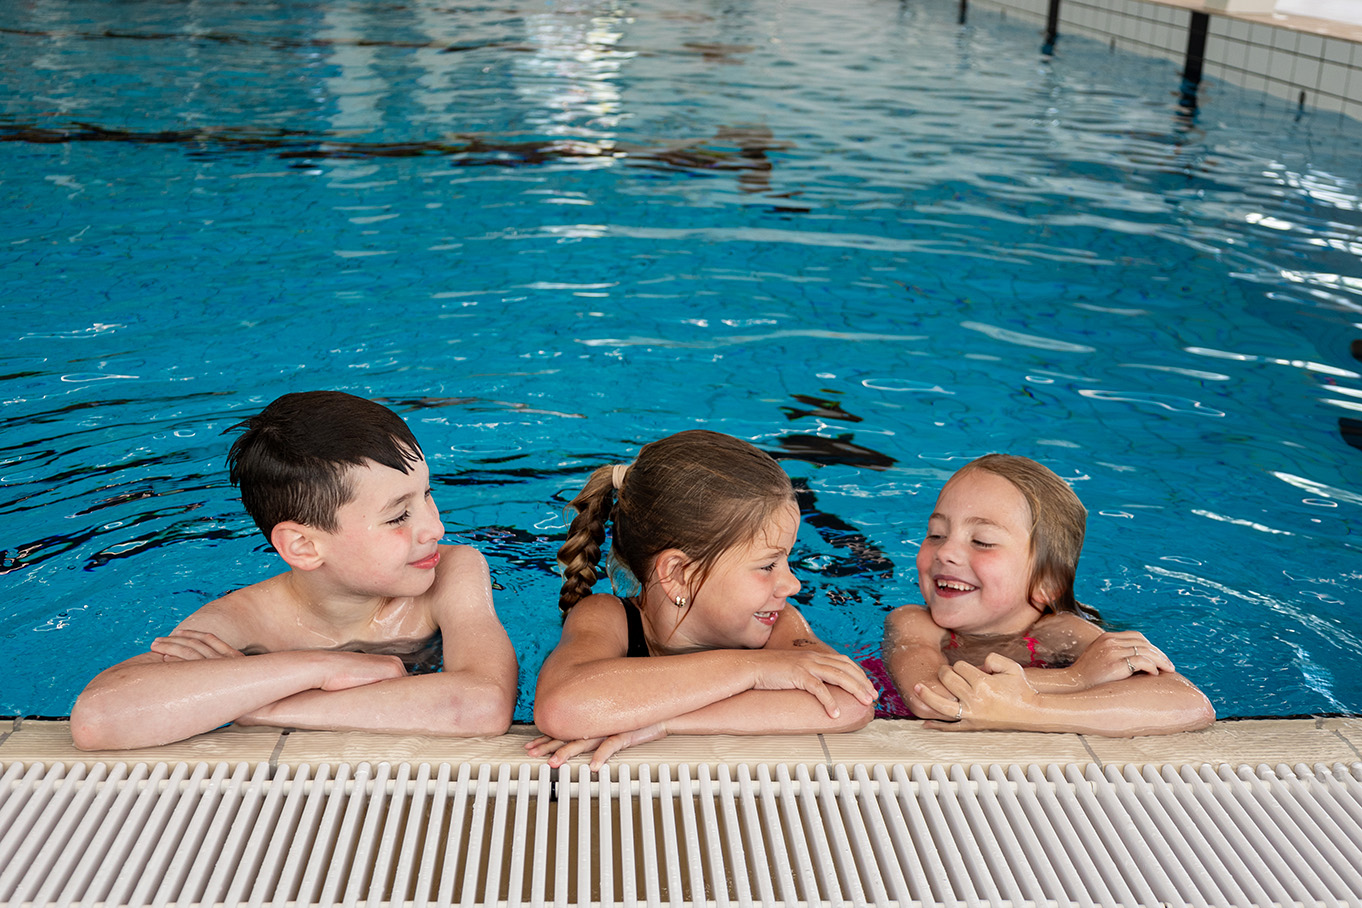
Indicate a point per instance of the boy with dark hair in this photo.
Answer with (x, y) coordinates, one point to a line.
(339, 486)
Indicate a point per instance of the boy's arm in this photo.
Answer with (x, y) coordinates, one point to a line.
(152, 699)
(474, 693)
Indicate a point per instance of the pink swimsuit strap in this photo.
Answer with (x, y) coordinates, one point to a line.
(1031, 644)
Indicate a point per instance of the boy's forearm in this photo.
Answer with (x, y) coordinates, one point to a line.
(443, 704)
(150, 703)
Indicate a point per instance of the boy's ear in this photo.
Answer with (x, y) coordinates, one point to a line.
(673, 570)
(296, 543)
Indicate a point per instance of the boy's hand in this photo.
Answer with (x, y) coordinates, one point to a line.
(187, 645)
(347, 670)
(812, 671)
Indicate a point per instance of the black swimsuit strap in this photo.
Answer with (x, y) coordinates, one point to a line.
(638, 641)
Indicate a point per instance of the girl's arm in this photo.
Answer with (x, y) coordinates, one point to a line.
(912, 651)
(590, 696)
(999, 697)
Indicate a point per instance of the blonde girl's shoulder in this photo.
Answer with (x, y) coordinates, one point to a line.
(912, 624)
(1065, 633)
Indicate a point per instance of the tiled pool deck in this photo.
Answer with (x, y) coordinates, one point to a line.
(1237, 742)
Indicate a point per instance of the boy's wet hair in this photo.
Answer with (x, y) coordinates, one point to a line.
(697, 491)
(1058, 524)
(293, 460)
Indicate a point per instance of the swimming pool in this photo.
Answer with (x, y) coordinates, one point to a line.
(549, 233)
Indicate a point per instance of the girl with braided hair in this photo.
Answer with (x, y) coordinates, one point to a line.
(706, 642)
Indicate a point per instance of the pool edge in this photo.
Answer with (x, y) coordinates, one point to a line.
(1273, 742)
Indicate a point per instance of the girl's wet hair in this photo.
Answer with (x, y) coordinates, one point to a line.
(293, 460)
(1058, 524)
(697, 491)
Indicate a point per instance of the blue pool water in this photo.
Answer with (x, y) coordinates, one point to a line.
(876, 243)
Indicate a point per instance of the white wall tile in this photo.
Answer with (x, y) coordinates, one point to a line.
(1326, 104)
(1281, 66)
(1261, 34)
(1333, 78)
(1306, 73)
(1338, 51)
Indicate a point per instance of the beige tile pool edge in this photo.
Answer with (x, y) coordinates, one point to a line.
(1253, 742)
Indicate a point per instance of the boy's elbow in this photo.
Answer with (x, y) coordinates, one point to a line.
(481, 713)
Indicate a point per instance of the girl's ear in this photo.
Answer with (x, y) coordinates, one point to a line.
(1043, 594)
(673, 573)
(297, 545)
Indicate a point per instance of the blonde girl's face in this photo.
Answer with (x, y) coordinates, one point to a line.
(974, 565)
(745, 592)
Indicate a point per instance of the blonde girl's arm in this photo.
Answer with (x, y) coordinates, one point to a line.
(588, 689)
(999, 697)
(913, 654)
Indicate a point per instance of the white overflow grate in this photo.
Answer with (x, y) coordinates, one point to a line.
(204, 834)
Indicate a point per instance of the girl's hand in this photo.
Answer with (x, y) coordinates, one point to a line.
(1116, 656)
(559, 752)
(987, 697)
(187, 646)
(812, 671)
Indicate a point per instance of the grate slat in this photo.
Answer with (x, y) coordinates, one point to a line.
(132, 835)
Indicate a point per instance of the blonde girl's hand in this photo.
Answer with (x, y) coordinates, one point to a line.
(559, 752)
(988, 697)
(1115, 656)
(187, 645)
(812, 671)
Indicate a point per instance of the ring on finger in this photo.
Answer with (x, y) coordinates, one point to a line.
(960, 713)
(1129, 666)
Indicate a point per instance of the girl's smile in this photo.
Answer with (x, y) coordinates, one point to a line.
(974, 566)
(743, 596)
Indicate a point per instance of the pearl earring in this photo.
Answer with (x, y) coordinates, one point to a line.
(680, 601)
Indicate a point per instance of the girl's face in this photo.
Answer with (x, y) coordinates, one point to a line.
(974, 567)
(738, 604)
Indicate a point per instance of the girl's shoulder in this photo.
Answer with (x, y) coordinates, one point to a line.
(598, 615)
(1064, 633)
(913, 624)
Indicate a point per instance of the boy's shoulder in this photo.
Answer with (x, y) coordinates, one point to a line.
(242, 618)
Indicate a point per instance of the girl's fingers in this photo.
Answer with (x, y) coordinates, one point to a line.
(824, 696)
(607, 749)
(543, 745)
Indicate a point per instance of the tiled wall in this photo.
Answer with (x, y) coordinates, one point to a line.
(1283, 56)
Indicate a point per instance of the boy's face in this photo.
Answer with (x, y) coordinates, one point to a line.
(974, 566)
(388, 535)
